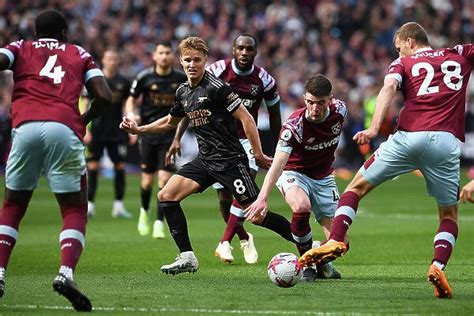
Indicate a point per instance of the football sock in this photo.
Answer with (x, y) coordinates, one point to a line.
(239, 228)
(145, 196)
(10, 218)
(444, 241)
(72, 237)
(160, 215)
(119, 184)
(344, 215)
(67, 271)
(278, 224)
(224, 207)
(301, 231)
(92, 184)
(177, 224)
(234, 223)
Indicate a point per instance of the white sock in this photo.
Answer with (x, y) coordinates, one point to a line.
(439, 264)
(118, 205)
(2, 273)
(67, 272)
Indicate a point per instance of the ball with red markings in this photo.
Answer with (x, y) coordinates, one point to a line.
(284, 270)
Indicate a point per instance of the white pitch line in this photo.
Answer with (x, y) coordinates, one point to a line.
(169, 310)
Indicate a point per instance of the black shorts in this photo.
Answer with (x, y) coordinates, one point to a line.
(152, 157)
(117, 150)
(237, 179)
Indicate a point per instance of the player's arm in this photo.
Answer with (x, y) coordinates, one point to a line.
(4, 61)
(275, 121)
(258, 209)
(251, 132)
(175, 147)
(131, 107)
(384, 100)
(467, 192)
(159, 126)
(100, 97)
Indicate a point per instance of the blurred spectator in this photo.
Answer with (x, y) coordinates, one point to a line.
(349, 41)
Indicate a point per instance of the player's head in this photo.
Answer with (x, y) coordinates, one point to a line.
(317, 96)
(244, 51)
(410, 37)
(51, 24)
(193, 53)
(163, 55)
(110, 59)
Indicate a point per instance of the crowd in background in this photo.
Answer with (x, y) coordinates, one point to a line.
(347, 40)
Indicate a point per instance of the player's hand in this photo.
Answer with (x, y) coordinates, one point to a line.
(129, 125)
(257, 211)
(88, 137)
(263, 161)
(175, 149)
(467, 192)
(363, 137)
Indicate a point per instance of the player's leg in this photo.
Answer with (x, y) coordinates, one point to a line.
(21, 177)
(245, 190)
(148, 164)
(64, 166)
(118, 153)
(390, 160)
(224, 249)
(95, 151)
(441, 171)
(164, 174)
(191, 178)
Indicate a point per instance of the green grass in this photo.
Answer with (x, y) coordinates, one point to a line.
(383, 273)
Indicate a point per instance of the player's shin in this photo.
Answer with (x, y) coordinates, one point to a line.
(301, 231)
(344, 216)
(177, 224)
(72, 237)
(444, 242)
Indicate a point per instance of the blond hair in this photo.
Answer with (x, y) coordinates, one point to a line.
(195, 43)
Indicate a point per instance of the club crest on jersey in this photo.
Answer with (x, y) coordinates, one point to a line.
(154, 87)
(286, 135)
(290, 180)
(254, 89)
(336, 128)
(201, 99)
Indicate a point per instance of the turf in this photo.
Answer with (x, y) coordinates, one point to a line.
(383, 273)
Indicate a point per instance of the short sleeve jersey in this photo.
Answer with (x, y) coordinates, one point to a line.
(158, 94)
(311, 145)
(209, 106)
(48, 78)
(106, 126)
(433, 83)
(254, 87)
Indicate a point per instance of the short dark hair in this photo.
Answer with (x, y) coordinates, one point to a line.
(165, 43)
(318, 85)
(412, 30)
(50, 23)
(245, 35)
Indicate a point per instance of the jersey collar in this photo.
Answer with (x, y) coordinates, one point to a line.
(48, 39)
(240, 72)
(423, 49)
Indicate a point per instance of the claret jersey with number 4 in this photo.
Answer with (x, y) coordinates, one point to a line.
(48, 79)
(433, 83)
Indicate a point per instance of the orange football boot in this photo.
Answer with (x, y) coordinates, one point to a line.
(438, 279)
(325, 253)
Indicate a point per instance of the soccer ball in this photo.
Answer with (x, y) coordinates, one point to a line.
(284, 270)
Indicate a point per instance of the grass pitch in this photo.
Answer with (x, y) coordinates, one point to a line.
(383, 273)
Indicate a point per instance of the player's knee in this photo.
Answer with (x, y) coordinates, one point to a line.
(304, 207)
(166, 196)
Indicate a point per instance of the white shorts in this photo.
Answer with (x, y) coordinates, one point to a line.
(48, 148)
(251, 157)
(434, 153)
(323, 193)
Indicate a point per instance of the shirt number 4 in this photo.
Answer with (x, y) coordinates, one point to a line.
(54, 72)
